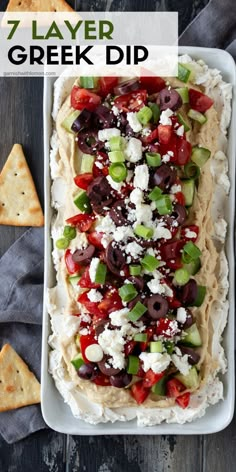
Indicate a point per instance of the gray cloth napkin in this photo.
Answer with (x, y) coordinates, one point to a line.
(21, 304)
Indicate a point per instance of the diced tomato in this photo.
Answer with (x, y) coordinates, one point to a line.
(174, 264)
(174, 388)
(165, 328)
(150, 332)
(85, 281)
(183, 400)
(190, 233)
(129, 347)
(82, 221)
(151, 378)
(164, 133)
(95, 239)
(173, 301)
(153, 136)
(91, 307)
(139, 392)
(101, 164)
(71, 266)
(184, 150)
(152, 84)
(133, 101)
(179, 196)
(171, 146)
(199, 101)
(106, 85)
(83, 180)
(102, 380)
(82, 98)
(111, 301)
(86, 341)
(171, 250)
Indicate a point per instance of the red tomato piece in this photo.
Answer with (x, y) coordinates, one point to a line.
(151, 378)
(153, 136)
(72, 267)
(106, 85)
(152, 84)
(171, 250)
(174, 388)
(150, 332)
(171, 146)
(83, 180)
(166, 328)
(101, 164)
(164, 133)
(129, 347)
(184, 150)
(82, 221)
(111, 301)
(82, 98)
(175, 263)
(179, 196)
(86, 341)
(139, 392)
(131, 101)
(190, 233)
(95, 239)
(199, 101)
(85, 281)
(183, 400)
(102, 380)
(92, 307)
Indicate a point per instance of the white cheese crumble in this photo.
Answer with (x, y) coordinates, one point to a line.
(165, 117)
(115, 185)
(161, 232)
(175, 189)
(93, 268)
(181, 362)
(134, 249)
(190, 234)
(112, 344)
(134, 122)
(143, 214)
(155, 360)
(141, 177)
(94, 295)
(122, 233)
(181, 315)
(133, 150)
(106, 134)
(180, 131)
(115, 110)
(136, 196)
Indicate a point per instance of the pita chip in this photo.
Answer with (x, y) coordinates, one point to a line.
(38, 5)
(18, 386)
(19, 203)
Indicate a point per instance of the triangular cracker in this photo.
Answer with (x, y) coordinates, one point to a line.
(18, 386)
(38, 5)
(19, 203)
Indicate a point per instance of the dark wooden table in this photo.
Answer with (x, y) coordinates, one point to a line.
(21, 121)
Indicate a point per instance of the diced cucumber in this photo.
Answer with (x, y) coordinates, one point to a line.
(156, 346)
(197, 116)
(160, 387)
(183, 73)
(191, 170)
(193, 267)
(77, 361)
(201, 293)
(200, 155)
(69, 120)
(87, 162)
(74, 279)
(192, 338)
(191, 380)
(188, 189)
(182, 122)
(183, 92)
(82, 202)
(133, 365)
(88, 82)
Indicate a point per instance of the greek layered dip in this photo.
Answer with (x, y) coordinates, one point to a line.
(139, 184)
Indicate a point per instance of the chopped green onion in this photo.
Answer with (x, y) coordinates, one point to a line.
(200, 155)
(169, 346)
(62, 243)
(118, 171)
(82, 202)
(156, 112)
(193, 266)
(128, 292)
(69, 120)
(150, 263)
(87, 162)
(197, 116)
(88, 82)
(192, 250)
(133, 365)
(135, 269)
(155, 194)
(188, 189)
(153, 159)
(160, 387)
(143, 231)
(116, 156)
(101, 272)
(201, 293)
(183, 73)
(156, 346)
(116, 143)
(141, 337)
(78, 361)
(183, 122)
(138, 311)
(191, 170)
(144, 115)
(164, 205)
(181, 277)
(183, 92)
(69, 232)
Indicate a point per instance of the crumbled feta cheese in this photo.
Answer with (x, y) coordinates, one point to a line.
(181, 362)
(112, 344)
(180, 131)
(115, 110)
(133, 150)
(119, 317)
(134, 249)
(136, 196)
(93, 268)
(165, 117)
(134, 122)
(165, 158)
(175, 189)
(106, 134)
(98, 164)
(190, 234)
(106, 225)
(115, 185)
(181, 315)
(141, 177)
(143, 214)
(146, 131)
(122, 233)
(84, 331)
(155, 360)
(94, 295)
(161, 232)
